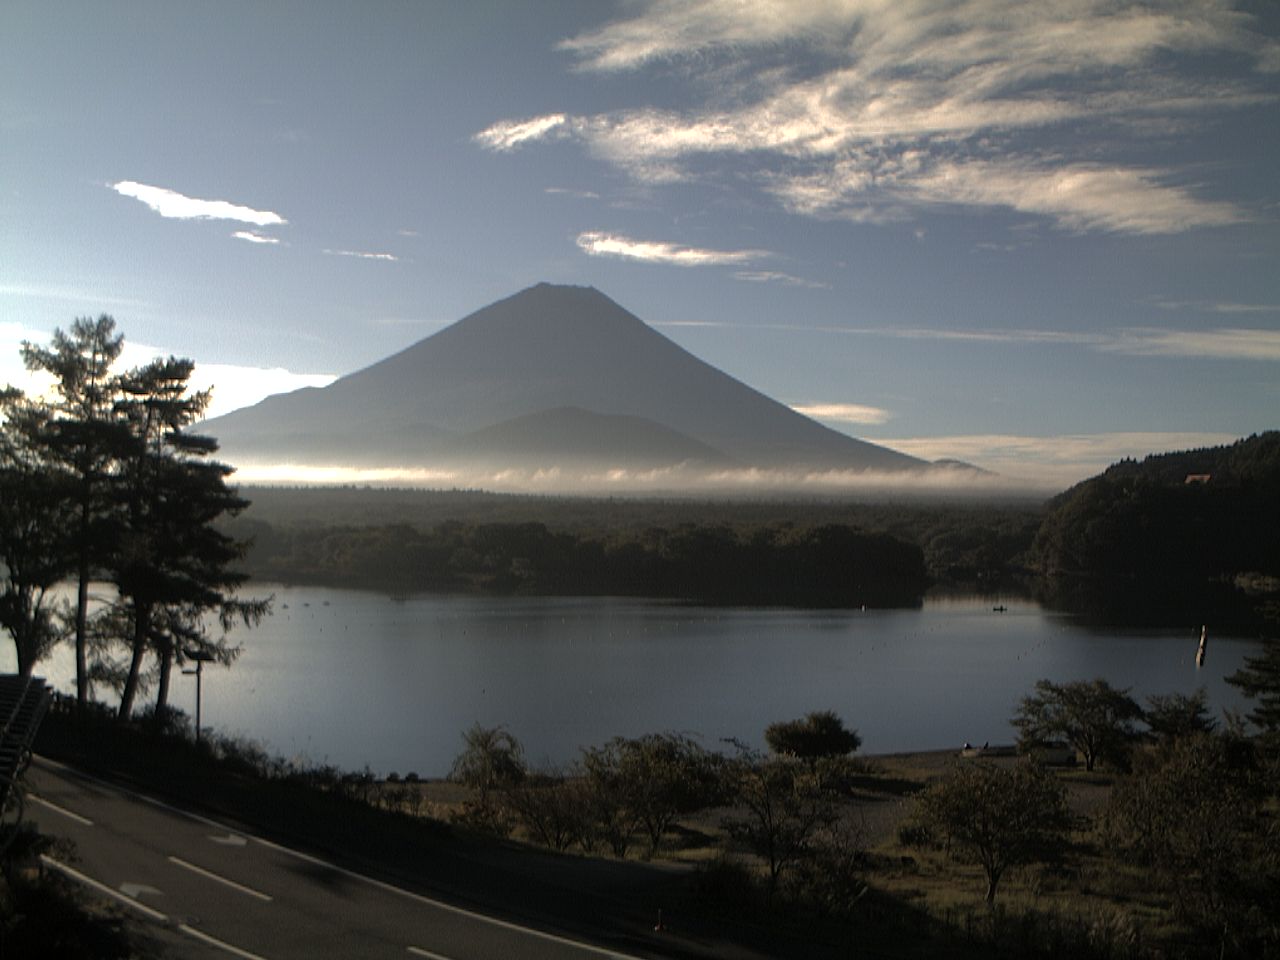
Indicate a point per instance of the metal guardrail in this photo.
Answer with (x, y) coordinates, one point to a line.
(23, 703)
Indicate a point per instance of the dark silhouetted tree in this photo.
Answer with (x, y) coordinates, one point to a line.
(492, 760)
(171, 565)
(818, 734)
(655, 779)
(83, 438)
(1091, 715)
(1259, 680)
(997, 816)
(1196, 816)
(34, 516)
(786, 805)
(1176, 715)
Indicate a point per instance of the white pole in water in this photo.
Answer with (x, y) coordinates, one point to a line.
(1204, 636)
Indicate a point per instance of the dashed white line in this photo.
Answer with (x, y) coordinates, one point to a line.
(220, 944)
(380, 884)
(218, 878)
(102, 888)
(419, 952)
(84, 821)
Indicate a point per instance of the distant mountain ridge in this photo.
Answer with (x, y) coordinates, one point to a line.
(553, 376)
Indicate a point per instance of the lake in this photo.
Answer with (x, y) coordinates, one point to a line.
(355, 678)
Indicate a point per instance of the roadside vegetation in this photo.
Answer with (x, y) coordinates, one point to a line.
(1168, 847)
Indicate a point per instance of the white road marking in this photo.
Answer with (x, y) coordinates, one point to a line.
(230, 840)
(217, 878)
(85, 821)
(102, 888)
(400, 891)
(135, 890)
(440, 905)
(419, 952)
(220, 944)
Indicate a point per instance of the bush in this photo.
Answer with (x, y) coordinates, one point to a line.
(818, 734)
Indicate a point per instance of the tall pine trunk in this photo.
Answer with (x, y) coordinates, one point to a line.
(141, 627)
(82, 616)
(165, 655)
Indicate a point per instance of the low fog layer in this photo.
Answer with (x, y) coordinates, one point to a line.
(554, 389)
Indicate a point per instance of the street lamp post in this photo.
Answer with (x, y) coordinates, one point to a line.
(201, 657)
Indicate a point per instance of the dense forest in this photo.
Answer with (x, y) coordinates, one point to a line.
(812, 553)
(1187, 537)
(1175, 538)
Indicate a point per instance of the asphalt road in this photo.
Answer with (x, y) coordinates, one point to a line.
(215, 892)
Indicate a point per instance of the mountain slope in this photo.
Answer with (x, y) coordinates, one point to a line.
(548, 348)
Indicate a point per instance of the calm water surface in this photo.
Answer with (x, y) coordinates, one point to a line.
(353, 678)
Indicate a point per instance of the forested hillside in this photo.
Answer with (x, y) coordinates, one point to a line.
(1179, 537)
(739, 551)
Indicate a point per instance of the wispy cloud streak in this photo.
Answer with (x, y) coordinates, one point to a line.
(1223, 344)
(363, 255)
(614, 245)
(986, 103)
(843, 412)
(252, 237)
(170, 203)
(1231, 344)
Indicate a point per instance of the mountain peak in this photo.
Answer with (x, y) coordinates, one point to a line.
(520, 364)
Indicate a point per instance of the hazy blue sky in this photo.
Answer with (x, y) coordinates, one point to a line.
(1037, 236)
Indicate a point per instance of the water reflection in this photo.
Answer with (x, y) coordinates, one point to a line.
(355, 678)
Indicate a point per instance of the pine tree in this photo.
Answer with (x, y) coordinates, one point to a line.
(82, 438)
(1259, 679)
(34, 549)
(172, 566)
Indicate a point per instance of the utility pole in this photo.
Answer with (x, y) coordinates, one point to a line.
(201, 657)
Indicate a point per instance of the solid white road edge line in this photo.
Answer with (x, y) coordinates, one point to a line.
(439, 904)
(220, 944)
(217, 878)
(102, 888)
(62, 810)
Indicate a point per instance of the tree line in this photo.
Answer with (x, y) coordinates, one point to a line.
(1190, 817)
(1178, 538)
(102, 483)
(825, 566)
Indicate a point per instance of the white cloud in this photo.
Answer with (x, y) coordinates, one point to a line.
(236, 386)
(363, 255)
(96, 300)
(1052, 462)
(570, 192)
(1223, 344)
(774, 276)
(844, 412)
(1079, 196)
(903, 103)
(233, 385)
(254, 237)
(1228, 307)
(509, 134)
(170, 203)
(613, 245)
(1229, 344)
